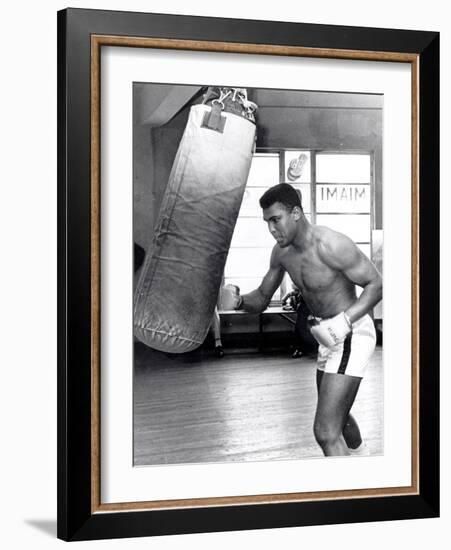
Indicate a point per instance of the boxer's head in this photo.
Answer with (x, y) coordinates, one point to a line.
(282, 209)
(284, 193)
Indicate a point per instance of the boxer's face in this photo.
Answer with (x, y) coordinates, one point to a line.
(282, 223)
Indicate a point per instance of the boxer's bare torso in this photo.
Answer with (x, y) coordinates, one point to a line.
(324, 264)
(325, 289)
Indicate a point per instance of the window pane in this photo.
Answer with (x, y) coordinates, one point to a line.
(252, 232)
(343, 198)
(378, 243)
(245, 262)
(355, 227)
(343, 168)
(250, 207)
(297, 166)
(366, 249)
(264, 171)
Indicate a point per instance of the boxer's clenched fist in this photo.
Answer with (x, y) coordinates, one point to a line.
(230, 297)
(330, 332)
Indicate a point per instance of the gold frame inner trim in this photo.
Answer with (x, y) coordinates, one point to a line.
(97, 41)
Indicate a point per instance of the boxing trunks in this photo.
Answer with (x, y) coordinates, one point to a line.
(351, 356)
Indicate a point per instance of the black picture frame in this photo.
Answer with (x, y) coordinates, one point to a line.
(78, 515)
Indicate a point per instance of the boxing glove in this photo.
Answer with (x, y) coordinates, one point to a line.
(296, 167)
(230, 298)
(330, 332)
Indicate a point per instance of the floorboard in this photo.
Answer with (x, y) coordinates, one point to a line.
(196, 408)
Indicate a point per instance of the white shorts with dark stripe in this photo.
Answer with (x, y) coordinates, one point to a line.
(353, 354)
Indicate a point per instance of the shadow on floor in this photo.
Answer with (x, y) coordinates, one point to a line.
(47, 526)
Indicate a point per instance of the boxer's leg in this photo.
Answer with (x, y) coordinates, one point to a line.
(351, 431)
(343, 368)
(336, 396)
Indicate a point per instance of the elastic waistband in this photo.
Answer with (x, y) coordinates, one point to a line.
(313, 320)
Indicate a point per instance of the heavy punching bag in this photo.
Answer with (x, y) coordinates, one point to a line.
(178, 288)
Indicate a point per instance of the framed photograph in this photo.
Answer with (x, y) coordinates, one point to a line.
(233, 197)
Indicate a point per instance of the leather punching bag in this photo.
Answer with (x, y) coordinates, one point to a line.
(178, 288)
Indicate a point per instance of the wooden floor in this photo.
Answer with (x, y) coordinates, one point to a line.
(243, 407)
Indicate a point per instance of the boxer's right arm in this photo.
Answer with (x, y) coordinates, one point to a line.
(258, 300)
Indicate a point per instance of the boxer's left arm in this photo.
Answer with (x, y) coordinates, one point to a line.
(259, 299)
(342, 254)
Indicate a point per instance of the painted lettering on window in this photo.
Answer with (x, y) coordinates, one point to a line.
(343, 198)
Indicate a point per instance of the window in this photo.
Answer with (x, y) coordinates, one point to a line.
(251, 246)
(343, 195)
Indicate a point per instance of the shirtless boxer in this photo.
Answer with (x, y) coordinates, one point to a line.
(325, 265)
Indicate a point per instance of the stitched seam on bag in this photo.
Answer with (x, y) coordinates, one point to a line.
(148, 260)
(147, 267)
(149, 274)
(180, 168)
(171, 335)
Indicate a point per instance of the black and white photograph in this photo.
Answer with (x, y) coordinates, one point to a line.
(257, 248)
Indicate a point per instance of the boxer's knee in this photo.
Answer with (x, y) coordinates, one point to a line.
(326, 434)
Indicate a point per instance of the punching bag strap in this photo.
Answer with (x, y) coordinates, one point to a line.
(214, 120)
